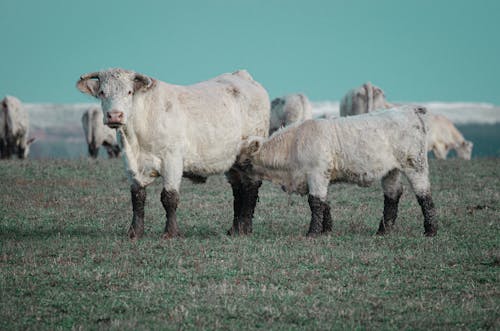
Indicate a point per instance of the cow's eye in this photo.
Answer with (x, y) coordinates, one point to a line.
(129, 92)
(101, 94)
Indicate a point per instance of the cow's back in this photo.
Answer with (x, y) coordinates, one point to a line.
(209, 119)
(380, 140)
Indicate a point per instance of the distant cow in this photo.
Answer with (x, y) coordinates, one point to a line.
(97, 134)
(292, 108)
(362, 149)
(170, 130)
(14, 129)
(363, 99)
(444, 136)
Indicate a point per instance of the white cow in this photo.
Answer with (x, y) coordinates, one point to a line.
(14, 129)
(362, 149)
(363, 99)
(169, 130)
(292, 108)
(97, 134)
(444, 136)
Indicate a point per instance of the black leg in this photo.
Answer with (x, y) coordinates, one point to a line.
(136, 229)
(170, 200)
(390, 213)
(427, 206)
(327, 218)
(93, 151)
(249, 201)
(317, 214)
(236, 185)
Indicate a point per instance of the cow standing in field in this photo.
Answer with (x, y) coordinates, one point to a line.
(444, 136)
(14, 129)
(362, 149)
(170, 130)
(292, 108)
(363, 99)
(97, 134)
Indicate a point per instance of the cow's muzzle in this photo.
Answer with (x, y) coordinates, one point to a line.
(114, 119)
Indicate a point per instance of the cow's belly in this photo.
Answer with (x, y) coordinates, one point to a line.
(211, 158)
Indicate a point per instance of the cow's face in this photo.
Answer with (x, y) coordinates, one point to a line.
(464, 151)
(116, 88)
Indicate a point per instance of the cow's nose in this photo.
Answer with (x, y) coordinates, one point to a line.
(114, 116)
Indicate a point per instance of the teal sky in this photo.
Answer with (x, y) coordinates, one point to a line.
(425, 50)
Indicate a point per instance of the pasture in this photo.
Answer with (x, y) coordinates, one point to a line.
(66, 262)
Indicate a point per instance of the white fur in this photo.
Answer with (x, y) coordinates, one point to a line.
(358, 149)
(14, 127)
(363, 99)
(170, 129)
(444, 136)
(292, 108)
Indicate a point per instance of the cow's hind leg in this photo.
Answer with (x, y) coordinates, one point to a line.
(138, 194)
(170, 200)
(421, 186)
(246, 194)
(393, 189)
(249, 201)
(327, 218)
(234, 179)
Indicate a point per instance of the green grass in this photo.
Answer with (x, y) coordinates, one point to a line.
(66, 262)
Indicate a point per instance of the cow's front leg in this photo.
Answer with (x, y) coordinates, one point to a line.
(170, 200)
(317, 215)
(172, 176)
(138, 194)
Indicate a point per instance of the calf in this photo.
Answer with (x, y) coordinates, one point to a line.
(362, 149)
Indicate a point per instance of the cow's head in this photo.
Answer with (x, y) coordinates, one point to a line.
(116, 88)
(464, 150)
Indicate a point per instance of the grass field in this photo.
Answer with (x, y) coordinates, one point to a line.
(66, 262)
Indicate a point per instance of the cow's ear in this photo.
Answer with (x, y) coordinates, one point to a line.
(142, 82)
(89, 84)
(254, 146)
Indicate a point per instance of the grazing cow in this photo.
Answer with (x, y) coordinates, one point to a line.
(363, 99)
(444, 136)
(362, 149)
(293, 108)
(97, 134)
(170, 130)
(14, 129)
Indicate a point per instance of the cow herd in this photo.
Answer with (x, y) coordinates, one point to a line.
(228, 125)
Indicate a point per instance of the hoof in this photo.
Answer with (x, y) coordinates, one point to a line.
(233, 231)
(312, 235)
(135, 234)
(238, 231)
(430, 233)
